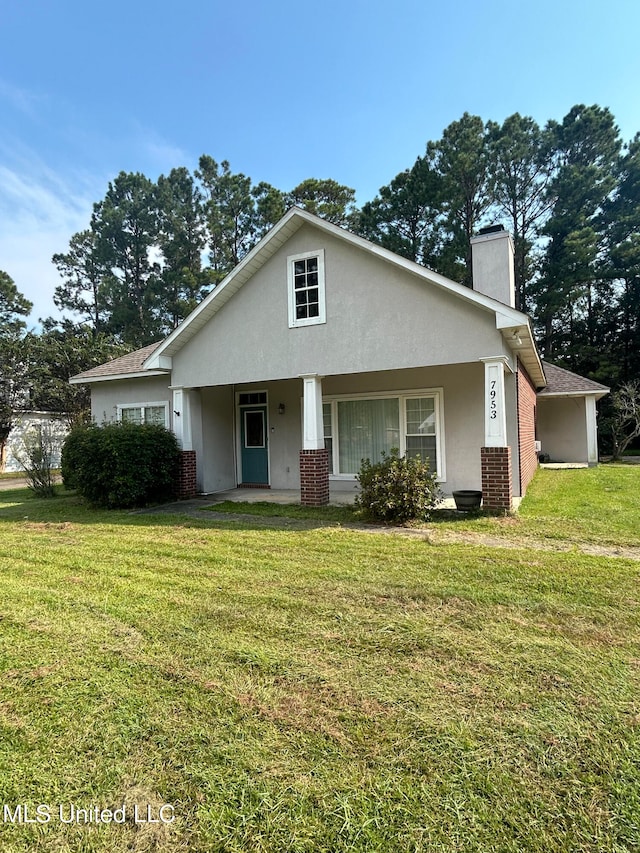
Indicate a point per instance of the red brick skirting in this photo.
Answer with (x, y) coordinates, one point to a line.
(526, 428)
(314, 477)
(186, 480)
(497, 490)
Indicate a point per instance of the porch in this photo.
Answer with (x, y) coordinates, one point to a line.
(337, 497)
(303, 439)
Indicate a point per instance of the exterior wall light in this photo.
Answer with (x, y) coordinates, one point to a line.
(281, 409)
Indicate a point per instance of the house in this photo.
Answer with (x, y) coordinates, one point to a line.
(29, 426)
(320, 349)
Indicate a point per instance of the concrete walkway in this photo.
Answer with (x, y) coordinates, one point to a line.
(7, 483)
(12, 483)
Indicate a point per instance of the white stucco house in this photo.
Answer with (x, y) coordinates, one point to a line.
(53, 428)
(320, 349)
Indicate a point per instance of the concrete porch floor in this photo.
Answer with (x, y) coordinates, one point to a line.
(277, 496)
(337, 497)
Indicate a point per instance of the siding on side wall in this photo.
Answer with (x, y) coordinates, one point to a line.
(526, 428)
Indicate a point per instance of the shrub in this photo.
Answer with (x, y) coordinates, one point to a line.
(397, 489)
(121, 465)
(36, 458)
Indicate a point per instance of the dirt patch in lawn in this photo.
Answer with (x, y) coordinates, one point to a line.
(446, 537)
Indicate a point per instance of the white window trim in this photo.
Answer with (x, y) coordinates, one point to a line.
(402, 397)
(322, 310)
(143, 406)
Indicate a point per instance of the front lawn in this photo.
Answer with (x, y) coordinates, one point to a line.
(584, 505)
(314, 690)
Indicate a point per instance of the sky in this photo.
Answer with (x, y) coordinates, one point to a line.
(283, 90)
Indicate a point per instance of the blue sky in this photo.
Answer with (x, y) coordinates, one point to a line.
(284, 90)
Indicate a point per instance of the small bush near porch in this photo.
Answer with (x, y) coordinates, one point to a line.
(317, 689)
(397, 488)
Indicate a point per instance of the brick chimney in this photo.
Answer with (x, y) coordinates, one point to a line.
(492, 264)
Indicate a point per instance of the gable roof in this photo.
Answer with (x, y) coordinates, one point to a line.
(564, 383)
(512, 323)
(129, 366)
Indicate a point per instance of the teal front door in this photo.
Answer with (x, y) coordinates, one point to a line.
(253, 440)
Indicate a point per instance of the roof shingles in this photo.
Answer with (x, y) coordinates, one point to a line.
(125, 364)
(561, 381)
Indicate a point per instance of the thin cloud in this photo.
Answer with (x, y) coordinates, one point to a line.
(158, 154)
(39, 212)
(22, 100)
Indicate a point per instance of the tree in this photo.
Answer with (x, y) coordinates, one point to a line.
(621, 217)
(270, 206)
(626, 416)
(14, 359)
(406, 216)
(230, 215)
(82, 290)
(125, 225)
(461, 160)
(13, 306)
(62, 350)
(325, 198)
(572, 301)
(181, 240)
(521, 169)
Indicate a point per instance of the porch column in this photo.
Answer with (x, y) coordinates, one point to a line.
(314, 459)
(495, 455)
(181, 419)
(592, 431)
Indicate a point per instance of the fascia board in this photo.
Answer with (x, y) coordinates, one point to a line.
(555, 394)
(509, 318)
(527, 352)
(89, 380)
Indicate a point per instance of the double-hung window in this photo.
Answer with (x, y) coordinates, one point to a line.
(361, 427)
(144, 413)
(420, 432)
(305, 280)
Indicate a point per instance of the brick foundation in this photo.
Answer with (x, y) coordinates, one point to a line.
(186, 479)
(314, 477)
(526, 428)
(497, 488)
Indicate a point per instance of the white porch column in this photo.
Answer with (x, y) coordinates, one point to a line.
(495, 455)
(314, 459)
(313, 434)
(495, 413)
(592, 430)
(182, 418)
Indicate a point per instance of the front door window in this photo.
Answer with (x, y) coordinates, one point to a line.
(254, 429)
(254, 451)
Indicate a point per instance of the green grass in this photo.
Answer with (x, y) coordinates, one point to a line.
(321, 689)
(598, 506)
(586, 505)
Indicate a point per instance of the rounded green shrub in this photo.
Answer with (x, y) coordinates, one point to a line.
(121, 465)
(397, 489)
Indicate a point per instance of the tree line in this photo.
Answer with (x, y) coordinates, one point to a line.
(568, 191)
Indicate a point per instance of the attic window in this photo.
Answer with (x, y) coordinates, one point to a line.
(305, 279)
